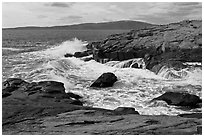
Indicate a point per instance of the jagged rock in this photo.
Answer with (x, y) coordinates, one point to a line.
(175, 43)
(125, 110)
(105, 80)
(180, 99)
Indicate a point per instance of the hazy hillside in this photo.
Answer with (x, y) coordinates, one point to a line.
(118, 25)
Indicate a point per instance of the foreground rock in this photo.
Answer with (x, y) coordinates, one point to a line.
(105, 80)
(44, 108)
(102, 122)
(180, 99)
(45, 90)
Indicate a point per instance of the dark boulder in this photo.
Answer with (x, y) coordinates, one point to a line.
(125, 110)
(105, 80)
(180, 99)
(68, 55)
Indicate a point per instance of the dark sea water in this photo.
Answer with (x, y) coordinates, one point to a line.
(134, 88)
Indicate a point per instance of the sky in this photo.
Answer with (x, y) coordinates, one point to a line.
(18, 14)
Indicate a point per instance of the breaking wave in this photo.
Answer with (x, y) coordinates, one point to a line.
(135, 86)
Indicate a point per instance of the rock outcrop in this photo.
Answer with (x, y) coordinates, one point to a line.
(166, 45)
(105, 80)
(180, 99)
(45, 90)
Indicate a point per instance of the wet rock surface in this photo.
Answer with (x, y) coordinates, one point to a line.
(180, 99)
(44, 108)
(99, 122)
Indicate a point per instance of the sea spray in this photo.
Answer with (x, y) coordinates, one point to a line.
(70, 47)
(135, 87)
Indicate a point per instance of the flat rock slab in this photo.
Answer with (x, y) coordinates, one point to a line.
(43, 113)
(100, 122)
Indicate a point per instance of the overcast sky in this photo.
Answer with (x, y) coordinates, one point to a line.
(52, 13)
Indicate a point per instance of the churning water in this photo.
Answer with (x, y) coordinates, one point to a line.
(134, 88)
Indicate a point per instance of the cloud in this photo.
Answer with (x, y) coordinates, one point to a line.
(62, 13)
(188, 3)
(70, 19)
(42, 16)
(163, 13)
(61, 4)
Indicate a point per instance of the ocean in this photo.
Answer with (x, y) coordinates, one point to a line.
(134, 88)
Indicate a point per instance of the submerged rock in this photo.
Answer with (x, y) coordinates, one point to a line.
(180, 99)
(105, 80)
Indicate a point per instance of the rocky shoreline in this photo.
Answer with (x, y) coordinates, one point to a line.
(45, 108)
(160, 46)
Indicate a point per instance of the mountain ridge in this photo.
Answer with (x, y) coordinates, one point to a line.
(123, 24)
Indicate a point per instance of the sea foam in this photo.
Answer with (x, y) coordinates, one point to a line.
(134, 88)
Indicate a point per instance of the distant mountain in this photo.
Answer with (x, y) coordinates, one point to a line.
(117, 25)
